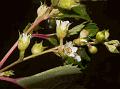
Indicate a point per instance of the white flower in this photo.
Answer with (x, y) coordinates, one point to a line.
(42, 10)
(62, 28)
(70, 51)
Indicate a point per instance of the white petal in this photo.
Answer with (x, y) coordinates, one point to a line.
(69, 44)
(74, 49)
(58, 23)
(78, 58)
(72, 55)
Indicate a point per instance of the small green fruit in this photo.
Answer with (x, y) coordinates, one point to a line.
(93, 49)
(80, 41)
(100, 36)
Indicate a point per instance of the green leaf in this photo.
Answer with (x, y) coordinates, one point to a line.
(27, 27)
(77, 12)
(107, 34)
(67, 15)
(7, 73)
(81, 11)
(112, 46)
(62, 77)
(54, 2)
(69, 60)
(53, 40)
(82, 52)
(92, 29)
(76, 29)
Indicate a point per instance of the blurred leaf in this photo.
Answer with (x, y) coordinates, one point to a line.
(67, 15)
(81, 11)
(63, 77)
(54, 2)
(77, 12)
(112, 46)
(107, 34)
(92, 29)
(82, 52)
(7, 73)
(27, 27)
(76, 29)
(53, 40)
(69, 60)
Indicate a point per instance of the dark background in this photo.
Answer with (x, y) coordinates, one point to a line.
(104, 69)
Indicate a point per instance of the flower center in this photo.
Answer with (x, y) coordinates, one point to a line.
(68, 50)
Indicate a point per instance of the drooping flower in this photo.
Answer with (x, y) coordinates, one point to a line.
(23, 41)
(62, 28)
(37, 48)
(42, 10)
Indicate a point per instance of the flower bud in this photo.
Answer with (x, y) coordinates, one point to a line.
(93, 49)
(62, 28)
(67, 4)
(37, 48)
(80, 41)
(42, 10)
(54, 12)
(100, 36)
(84, 33)
(23, 41)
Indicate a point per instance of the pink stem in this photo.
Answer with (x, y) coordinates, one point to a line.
(11, 80)
(8, 54)
(40, 36)
(36, 22)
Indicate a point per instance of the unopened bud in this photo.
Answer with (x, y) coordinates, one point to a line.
(67, 4)
(37, 48)
(84, 33)
(42, 10)
(23, 41)
(100, 36)
(80, 41)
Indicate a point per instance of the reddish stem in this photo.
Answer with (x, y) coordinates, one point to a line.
(11, 80)
(36, 22)
(8, 54)
(40, 36)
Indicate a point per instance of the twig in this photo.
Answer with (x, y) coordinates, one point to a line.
(36, 22)
(26, 58)
(8, 54)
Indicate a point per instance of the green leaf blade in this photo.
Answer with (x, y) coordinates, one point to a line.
(76, 29)
(81, 11)
(51, 77)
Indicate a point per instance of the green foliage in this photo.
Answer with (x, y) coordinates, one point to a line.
(82, 52)
(92, 29)
(81, 11)
(53, 41)
(77, 12)
(57, 78)
(112, 46)
(54, 2)
(76, 29)
(70, 60)
(7, 73)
